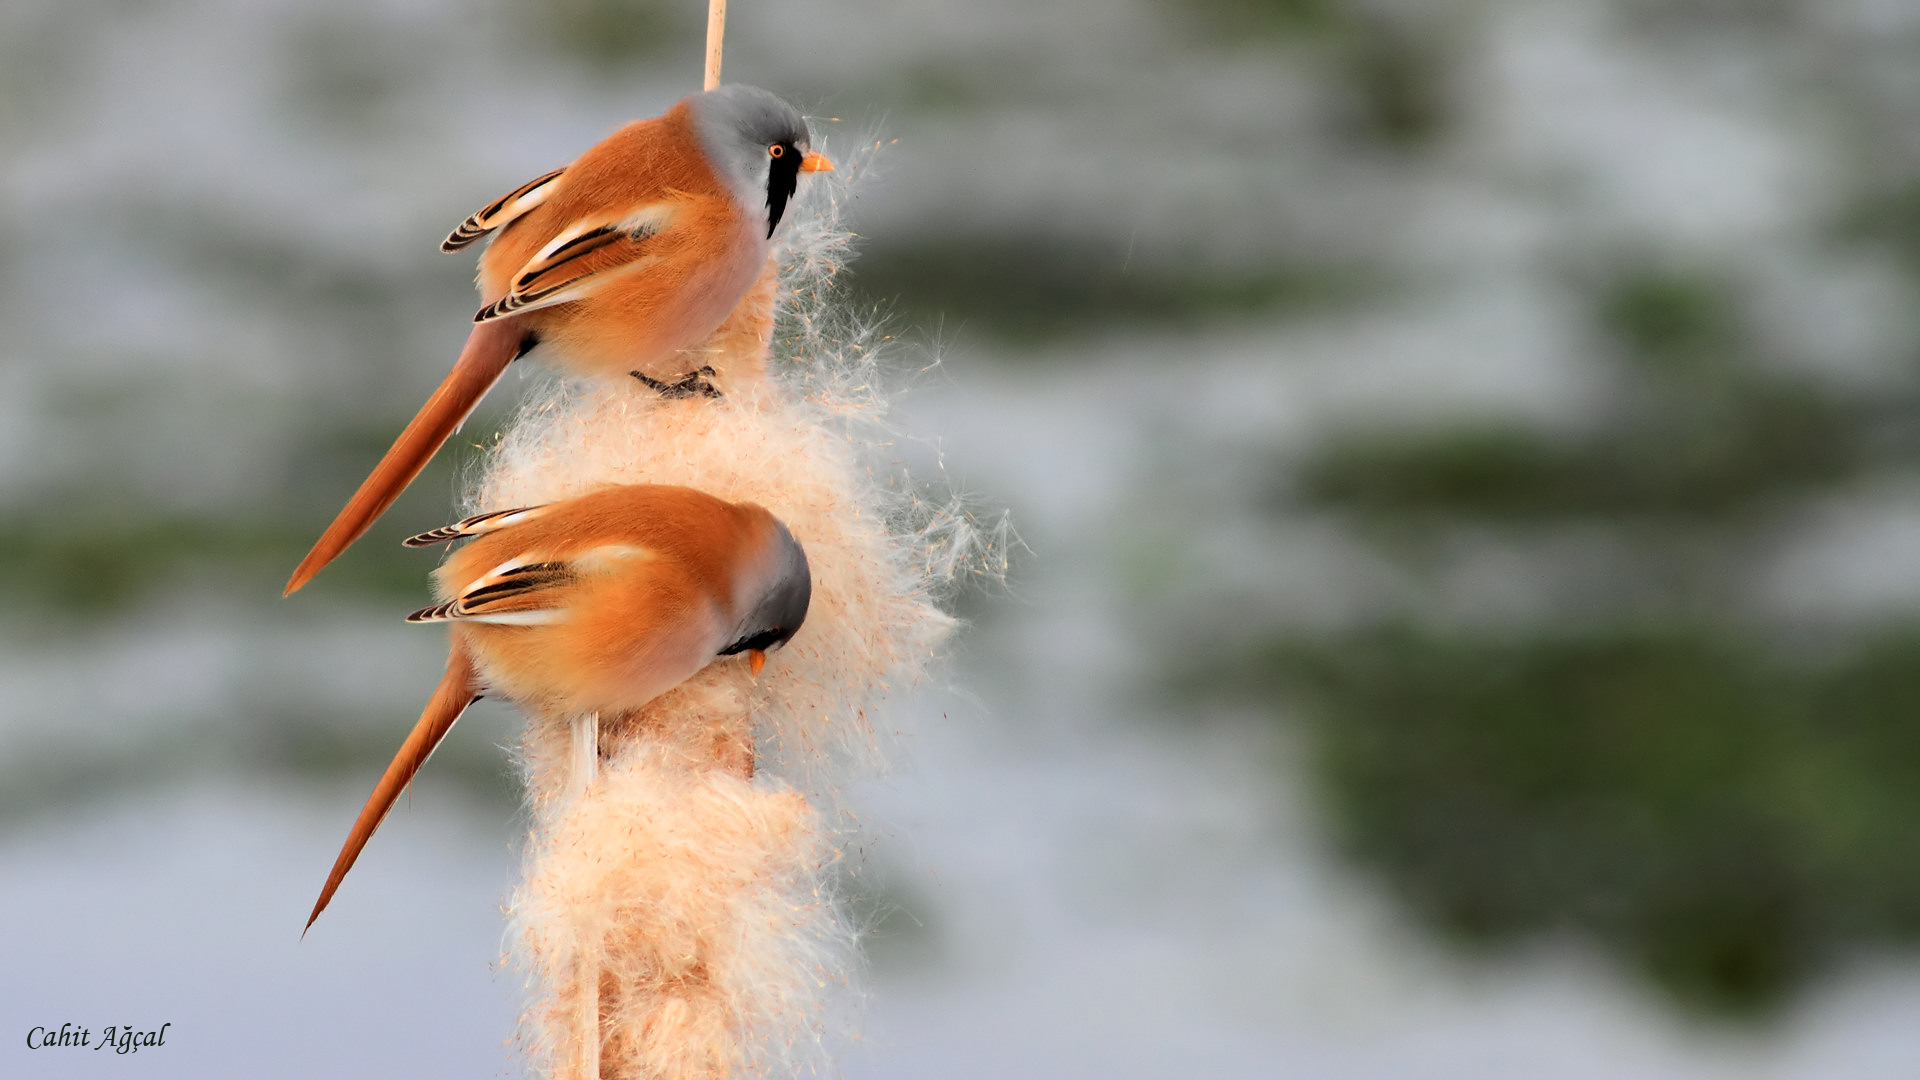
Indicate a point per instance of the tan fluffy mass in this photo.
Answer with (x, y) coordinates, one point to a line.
(689, 878)
(694, 895)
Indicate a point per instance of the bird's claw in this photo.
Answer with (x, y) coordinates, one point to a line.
(692, 384)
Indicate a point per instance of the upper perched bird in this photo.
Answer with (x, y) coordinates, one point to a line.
(598, 604)
(616, 263)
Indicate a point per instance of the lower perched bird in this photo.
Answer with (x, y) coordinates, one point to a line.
(616, 263)
(595, 605)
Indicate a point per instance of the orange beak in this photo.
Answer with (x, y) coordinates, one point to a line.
(756, 658)
(815, 162)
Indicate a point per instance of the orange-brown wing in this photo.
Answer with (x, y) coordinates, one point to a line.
(536, 584)
(582, 257)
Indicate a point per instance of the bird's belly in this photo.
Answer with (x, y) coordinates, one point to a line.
(592, 662)
(630, 682)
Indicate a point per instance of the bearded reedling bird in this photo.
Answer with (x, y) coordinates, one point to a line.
(598, 604)
(638, 250)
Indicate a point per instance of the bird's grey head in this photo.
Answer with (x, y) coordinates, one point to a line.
(777, 603)
(756, 143)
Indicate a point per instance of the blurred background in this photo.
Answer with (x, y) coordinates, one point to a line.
(1469, 455)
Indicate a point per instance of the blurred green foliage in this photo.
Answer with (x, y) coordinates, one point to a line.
(1669, 318)
(1887, 217)
(90, 567)
(104, 546)
(1699, 432)
(271, 741)
(1036, 288)
(610, 34)
(1384, 72)
(84, 560)
(1276, 18)
(1676, 783)
(1725, 815)
(1760, 441)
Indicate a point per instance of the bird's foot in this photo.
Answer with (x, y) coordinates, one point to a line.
(692, 384)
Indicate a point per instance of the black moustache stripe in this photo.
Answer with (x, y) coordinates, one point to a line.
(783, 179)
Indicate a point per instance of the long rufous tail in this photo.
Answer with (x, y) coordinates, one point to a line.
(451, 698)
(489, 349)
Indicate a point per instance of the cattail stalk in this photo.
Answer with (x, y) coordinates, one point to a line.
(586, 765)
(679, 923)
(716, 30)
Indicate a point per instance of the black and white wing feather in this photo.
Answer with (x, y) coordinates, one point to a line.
(502, 210)
(475, 525)
(525, 591)
(580, 259)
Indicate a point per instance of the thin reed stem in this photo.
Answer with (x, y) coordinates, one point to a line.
(716, 29)
(586, 766)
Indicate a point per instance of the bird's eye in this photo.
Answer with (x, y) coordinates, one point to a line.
(776, 150)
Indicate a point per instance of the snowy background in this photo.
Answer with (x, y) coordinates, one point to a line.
(1283, 327)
